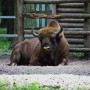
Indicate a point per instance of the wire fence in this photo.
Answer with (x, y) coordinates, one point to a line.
(37, 23)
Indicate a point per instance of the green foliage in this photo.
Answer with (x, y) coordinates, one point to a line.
(3, 30)
(35, 86)
(5, 85)
(77, 54)
(62, 88)
(82, 88)
(4, 45)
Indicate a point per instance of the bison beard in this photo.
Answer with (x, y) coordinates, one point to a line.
(49, 58)
(50, 47)
(42, 56)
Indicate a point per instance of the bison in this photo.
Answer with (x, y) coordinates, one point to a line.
(48, 47)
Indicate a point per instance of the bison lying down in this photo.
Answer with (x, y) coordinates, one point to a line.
(49, 47)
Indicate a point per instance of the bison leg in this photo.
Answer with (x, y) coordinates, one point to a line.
(12, 64)
(56, 62)
(34, 62)
(64, 62)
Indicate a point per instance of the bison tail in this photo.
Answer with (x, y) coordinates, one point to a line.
(15, 58)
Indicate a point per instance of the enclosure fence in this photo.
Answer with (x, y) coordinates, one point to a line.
(73, 15)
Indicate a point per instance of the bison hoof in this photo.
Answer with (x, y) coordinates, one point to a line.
(13, 64)
(64, 62)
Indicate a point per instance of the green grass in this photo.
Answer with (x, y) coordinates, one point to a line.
(5, 85)
(4, 45)
(3, 30)
(36, 86)
(77, 54)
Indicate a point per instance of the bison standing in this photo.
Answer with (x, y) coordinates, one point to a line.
(50, 47)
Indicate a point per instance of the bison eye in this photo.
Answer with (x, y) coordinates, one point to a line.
(53, 40)
(40, 38)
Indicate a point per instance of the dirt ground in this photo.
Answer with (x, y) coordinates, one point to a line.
(75, 66)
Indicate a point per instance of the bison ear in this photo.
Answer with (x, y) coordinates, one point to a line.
(61, 28)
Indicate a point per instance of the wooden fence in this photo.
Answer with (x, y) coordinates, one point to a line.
(74, 16)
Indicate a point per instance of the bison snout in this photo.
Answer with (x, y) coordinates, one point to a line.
(47, 48)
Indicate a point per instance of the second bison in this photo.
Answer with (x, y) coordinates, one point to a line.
(50, 47)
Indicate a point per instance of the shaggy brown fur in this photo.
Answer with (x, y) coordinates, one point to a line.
(31, 52)
(21, 53)
(61, 50)
(50, 30)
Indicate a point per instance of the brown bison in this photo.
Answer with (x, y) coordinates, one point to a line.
(48, 48)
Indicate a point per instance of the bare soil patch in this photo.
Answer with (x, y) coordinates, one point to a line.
(75, 66)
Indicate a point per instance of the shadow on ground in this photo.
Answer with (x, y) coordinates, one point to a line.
(75, 66)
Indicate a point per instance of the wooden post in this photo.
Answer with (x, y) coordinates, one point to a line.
(54, 1)
(20, 20)
(87, 28)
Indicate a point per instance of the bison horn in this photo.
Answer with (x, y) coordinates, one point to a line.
(34, 34)
(59, 31)
(61, 28)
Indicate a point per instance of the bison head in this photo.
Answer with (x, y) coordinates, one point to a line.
(49, 37)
